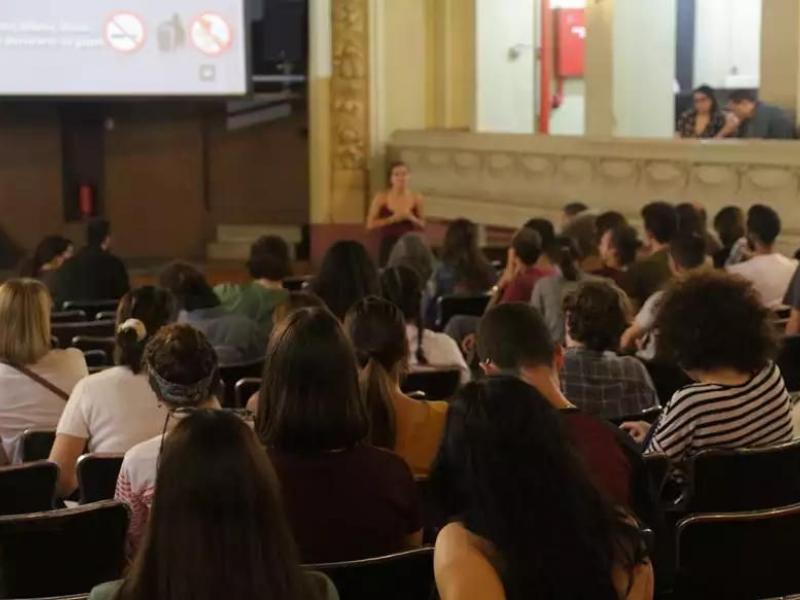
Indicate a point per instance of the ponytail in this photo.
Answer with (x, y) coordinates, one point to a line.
(566, 255)
(377, 388)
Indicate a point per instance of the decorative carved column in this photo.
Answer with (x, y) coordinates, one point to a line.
(350, 110)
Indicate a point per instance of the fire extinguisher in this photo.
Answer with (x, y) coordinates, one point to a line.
(86, 200)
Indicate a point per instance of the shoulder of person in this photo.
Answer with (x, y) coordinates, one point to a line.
(105, 591)
(463, 569)
(386, 463)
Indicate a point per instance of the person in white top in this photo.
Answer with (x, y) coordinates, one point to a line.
(402, 286)
(182, 372)
(34, 380)
(115, 409)
(769, 271)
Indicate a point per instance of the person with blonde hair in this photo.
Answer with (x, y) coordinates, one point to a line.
(35, 380)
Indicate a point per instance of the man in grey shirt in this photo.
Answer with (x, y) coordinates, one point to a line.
(759, 120)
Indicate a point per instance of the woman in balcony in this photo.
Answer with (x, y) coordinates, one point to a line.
(706, 120)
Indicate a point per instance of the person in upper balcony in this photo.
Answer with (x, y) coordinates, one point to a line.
(395, 211)
(758, 119)
(706, 120)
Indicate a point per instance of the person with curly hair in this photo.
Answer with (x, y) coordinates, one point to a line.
(593, 376)
(714, 326)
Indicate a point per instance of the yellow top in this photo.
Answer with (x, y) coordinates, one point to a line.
(420, 427)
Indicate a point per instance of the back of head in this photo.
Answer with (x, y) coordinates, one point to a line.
(691, 218)
(48, 250)
(688, 251)
(461, 251)
(660, 221)
(188, 285)
(97, 232)
(573, 209)
(527, 245)
(403, 287)
(625, 240)
(583, 231)
(712, 320)
(596, 315)
(545, 229)
(730, 225)
(508, 469)
(513, 336)
(140, 315)
(763, 224)
(607, 221)
(269, 259)
(181, 366)
(25, 306)
(346, 276)
(566, 255)
(413, 251)
(295, 301)
(310, 399)
(217, 528)
(377, 331)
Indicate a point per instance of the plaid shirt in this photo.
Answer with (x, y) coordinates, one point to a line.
(606, 385)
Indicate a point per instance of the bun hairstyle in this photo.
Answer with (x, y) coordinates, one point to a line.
(140, 315)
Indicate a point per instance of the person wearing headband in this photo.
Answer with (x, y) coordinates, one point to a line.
(115, 409)
(182, 370)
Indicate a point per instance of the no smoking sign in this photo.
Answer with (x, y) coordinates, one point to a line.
(125, 32)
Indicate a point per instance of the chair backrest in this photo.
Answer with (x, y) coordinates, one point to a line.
(231, 374)
(738, 556)
(37, 443)
(402, 576)
(245, 388)
(91, 307)
(789, 362)
(656, 469)
(97, 476)
(106, 315)
(436, 384)
(296, 284)
(450, 306)
(746, 479)
(87, 344)
(62, 552)
(65, 332)
(67, 316)
(29, 487)
(667, 379)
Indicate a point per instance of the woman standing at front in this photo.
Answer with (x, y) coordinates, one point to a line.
(706, 120)
(395, 211)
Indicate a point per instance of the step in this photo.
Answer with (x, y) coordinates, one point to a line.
(247, 234)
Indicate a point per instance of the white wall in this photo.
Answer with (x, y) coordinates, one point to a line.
(644, 67)
(728, 43)
(505, 87)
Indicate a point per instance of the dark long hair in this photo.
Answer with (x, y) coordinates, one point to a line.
(217, 528)
(49, 248)
(508, 470)
(346, 276)
(378, 332)
(154, 307)
(402, 286)
(310, 399)
(566, 255)
(188, 285)
(708, 92)
(463, 254)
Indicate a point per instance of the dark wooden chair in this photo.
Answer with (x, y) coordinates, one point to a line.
(106, 315)
(230, 376)
(92, 344)
(67, 316)
(402, 576)
(449, 306)
(66, 332)
(29, 487)
(432, 383)
(738, 556)
(97, 476)
(245, 388)
(62, 552)
(91, 307)
(746, 479)
(37, 443)
(789, 362)
(296, 284)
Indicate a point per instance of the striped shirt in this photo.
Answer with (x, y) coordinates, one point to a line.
(702, 416)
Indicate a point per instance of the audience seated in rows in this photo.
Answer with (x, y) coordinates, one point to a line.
(582, 230)
(112, 411)
(463, 268)
(411, 428)
(528, 522)
(593, 376)
(618, 248)
(514, 339)
(269, 264)
(693, 220)
(93, 273)
(548, 293)
(35, 381)
(235, 338)
(413, 251)
(686, 254)
(182, 371)
(401, 286)
(345, 499)
(347, 275)
(769, 271)
(729, 223)
(714, 326)
(647, 276)
(50, 255)
(217, 528)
